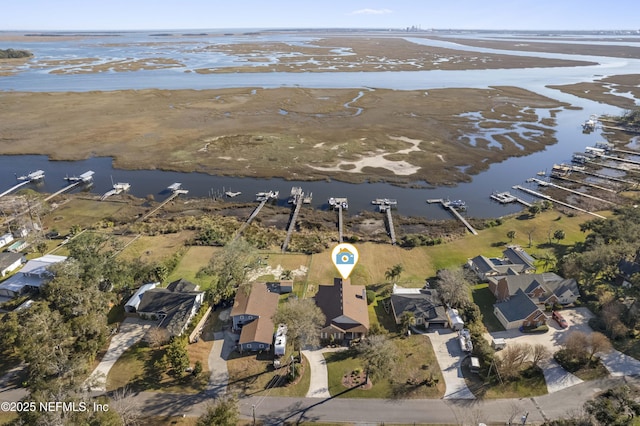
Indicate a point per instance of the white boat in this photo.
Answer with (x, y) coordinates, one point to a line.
(232, 194)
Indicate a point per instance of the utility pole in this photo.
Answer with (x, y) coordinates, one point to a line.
(253, 410)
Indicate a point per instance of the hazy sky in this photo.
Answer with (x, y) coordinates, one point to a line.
(211, 14)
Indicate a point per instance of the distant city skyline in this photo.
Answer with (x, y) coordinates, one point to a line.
(86, 15)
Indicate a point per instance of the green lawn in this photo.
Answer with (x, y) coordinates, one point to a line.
(416, 363)
(483, 297)
(193, 260)
(526, 385)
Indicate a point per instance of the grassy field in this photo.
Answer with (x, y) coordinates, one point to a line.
(155, 248)
(135, 369)
(423, 262)
(79, 211)
(254, 375)
(417, 362)
(193, 260)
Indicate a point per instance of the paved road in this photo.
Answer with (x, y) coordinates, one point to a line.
(275, 410)
(447, 349)
(130, 332)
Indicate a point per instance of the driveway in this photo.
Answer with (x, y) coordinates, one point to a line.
(319, 386)
(224, 342)
(445, 345)
(556, 377)
(131, 331)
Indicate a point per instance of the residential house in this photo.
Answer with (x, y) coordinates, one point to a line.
(519, 310)
(515, 261)
(252, 316)
(9, 262)
(546, 288)
(345, 308)
(174, 307)
(31, 277)
(134, 301)
(6, 239)
(423, 303)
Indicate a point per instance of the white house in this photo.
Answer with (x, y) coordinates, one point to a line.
(6, 239)
(9, 262)
(34, 273)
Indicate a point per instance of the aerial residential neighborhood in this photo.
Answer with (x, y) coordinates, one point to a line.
(330, 213)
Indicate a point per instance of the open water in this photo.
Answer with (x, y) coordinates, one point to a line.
(411, 201)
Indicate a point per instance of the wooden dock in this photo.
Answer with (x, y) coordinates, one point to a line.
(582, 194)
(392, 230)
(591, 185)
(251, 217)
(14, 188)
(173, 195)
(507, 197)
(340, 224)
(562, 203)
(605, 177)
(297, 198)
(447, 205)
(339, 204)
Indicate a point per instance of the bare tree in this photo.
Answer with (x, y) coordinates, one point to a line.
(577, 344)
(598, 342)
(157, 337)
(454, 287)
(539, 352)
(511, 359)
(124, 403)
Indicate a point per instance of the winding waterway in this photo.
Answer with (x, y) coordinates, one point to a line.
(411, 201)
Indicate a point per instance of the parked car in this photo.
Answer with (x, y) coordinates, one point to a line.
(559, 319)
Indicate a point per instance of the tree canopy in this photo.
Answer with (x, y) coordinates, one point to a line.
(303, 319)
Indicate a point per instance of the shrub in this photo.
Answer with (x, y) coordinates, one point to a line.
(371, 296)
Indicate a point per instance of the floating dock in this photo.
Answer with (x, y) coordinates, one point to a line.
(506, 197)
(296, 199)
(562, 203)
(268, 195)
(86, 177)
(453, 207)
(32, 177)
(118, 188)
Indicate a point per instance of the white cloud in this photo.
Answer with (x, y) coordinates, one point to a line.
(371, 12)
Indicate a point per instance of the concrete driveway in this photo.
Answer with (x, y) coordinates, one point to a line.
(556, 377)
(447, 349)
(319, 386)
(223, 345)
(131, 331)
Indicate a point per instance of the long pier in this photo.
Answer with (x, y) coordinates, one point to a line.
(592, 185)
(447, 205)
(605, 177)
(339, 204)
(251, 217)
(340, 224)
(562, 203)
(173, 195)
(14, 188)
(392, 230)
(544, 183)
(297, 198)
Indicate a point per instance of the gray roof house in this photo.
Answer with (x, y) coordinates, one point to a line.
(173, 308)
(515, 261)
(31, 277)
(518, 311)
(425, 305)
(541, 288)
(9, 262)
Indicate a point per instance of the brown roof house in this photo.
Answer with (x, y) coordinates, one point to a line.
(345, 308)
(252, 315)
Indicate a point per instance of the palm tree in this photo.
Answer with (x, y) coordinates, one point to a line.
(393, 273)
(547, 261)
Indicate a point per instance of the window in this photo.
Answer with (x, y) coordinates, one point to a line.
(261, 346)
(248, 345)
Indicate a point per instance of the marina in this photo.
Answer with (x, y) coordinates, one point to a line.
(84, 179)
